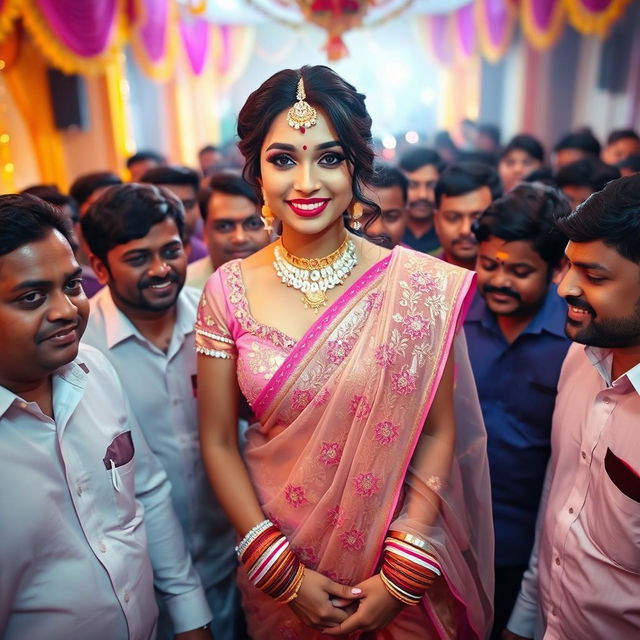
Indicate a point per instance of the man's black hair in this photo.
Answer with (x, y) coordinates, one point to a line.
(588, 172)
(630, 162)
(417, 157)
(25, 218)
(51, 194)
(492, 131)
(611, 216)
(583, 140)
(544, 175)
(145, 154)
(622, 134)
(464, 177)
(231, 183)
(489, 158)
(172, 175)
(528, 144)
(385, 176)
(527, 213)
(83, 186)
(127, 212)
(208, 148)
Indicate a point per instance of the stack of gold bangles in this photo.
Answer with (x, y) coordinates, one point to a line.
(270, 562)
(408, 569)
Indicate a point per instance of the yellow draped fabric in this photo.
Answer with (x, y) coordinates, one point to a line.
(594, 23)
(26, 81)
(8, 13)
(542, 38)
(242, 41)
(493, 51)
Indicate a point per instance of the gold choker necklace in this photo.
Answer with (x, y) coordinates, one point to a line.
(315, 276)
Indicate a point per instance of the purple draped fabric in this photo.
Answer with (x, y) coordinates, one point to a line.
(595, 6)
(497, 20)
(195, 36)
(466, 28)
(153, 31)
(83, 27)
(543, 11)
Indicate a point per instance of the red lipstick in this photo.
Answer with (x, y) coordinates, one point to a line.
(308, 207)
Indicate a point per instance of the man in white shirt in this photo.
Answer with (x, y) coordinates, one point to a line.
(143, 323)
(87, 524)
(583, 579)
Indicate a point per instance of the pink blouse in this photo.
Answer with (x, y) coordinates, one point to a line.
(225, 328)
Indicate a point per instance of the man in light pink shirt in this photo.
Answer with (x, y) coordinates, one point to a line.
(583, 579)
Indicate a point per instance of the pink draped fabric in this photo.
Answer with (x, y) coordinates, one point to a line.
(195, 37)
(466, 29)
(153, 31)
(84, 27)
(595, 6)
(339, 454)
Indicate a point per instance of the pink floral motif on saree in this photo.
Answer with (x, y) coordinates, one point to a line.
(352, 540)
(294, 494)
(330, 453)
(366, 484)
(335, 516)
(403, 382)
(386, 432)
(360, 407)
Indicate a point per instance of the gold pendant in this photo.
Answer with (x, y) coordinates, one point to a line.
(314, 300)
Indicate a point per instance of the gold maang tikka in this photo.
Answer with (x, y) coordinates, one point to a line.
(302, 115)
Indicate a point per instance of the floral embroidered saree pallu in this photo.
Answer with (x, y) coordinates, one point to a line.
(339, 456)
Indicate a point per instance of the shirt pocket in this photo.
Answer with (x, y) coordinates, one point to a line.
(615, 524)
(119, 462)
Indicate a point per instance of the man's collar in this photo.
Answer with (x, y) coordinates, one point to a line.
(602, 360)
(119, 328)
(551, 317)
(75, 373)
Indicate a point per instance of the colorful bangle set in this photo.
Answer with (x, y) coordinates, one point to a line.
(408, 569)
(270, 562)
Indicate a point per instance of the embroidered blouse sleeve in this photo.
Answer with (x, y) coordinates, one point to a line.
(213, 337)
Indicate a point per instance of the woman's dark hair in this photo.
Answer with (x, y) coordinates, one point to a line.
(527, 213)
(26, 218)
(611, 216)
(326, 91)
(464, 177)
(528, 144)
(127, 212)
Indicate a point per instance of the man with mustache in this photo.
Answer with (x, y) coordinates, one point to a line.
(583, 579)
(87, 524)
(388, 188)
(232, 226)
(422, 167)
(515, 333)
(462, 193)
(143, 322)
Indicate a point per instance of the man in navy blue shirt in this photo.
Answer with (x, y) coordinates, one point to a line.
(515, 332)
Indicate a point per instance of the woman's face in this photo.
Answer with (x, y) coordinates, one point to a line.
(305, 177)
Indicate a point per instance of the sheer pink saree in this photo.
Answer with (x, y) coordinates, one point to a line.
(338, 456)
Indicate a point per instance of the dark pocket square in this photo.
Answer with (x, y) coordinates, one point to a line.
(120, 450)
(622, 475)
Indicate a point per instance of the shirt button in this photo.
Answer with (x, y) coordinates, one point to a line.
(102, 547)
(127, 596)
(23, 405)
(558, 563)
(570, 509)
(554, 612)
(584, 455)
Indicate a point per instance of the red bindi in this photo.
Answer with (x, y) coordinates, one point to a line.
(304, 147)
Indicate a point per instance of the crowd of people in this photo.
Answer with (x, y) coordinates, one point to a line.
(318, 394)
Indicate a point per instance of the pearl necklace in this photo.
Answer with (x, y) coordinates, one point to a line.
(315, 276)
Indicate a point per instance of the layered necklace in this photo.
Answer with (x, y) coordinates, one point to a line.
(315, 276)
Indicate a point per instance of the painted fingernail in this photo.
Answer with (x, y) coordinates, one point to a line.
(356, 591)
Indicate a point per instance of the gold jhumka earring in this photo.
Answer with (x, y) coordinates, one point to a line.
(267, 218)
(355, 213)
(302, 115)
